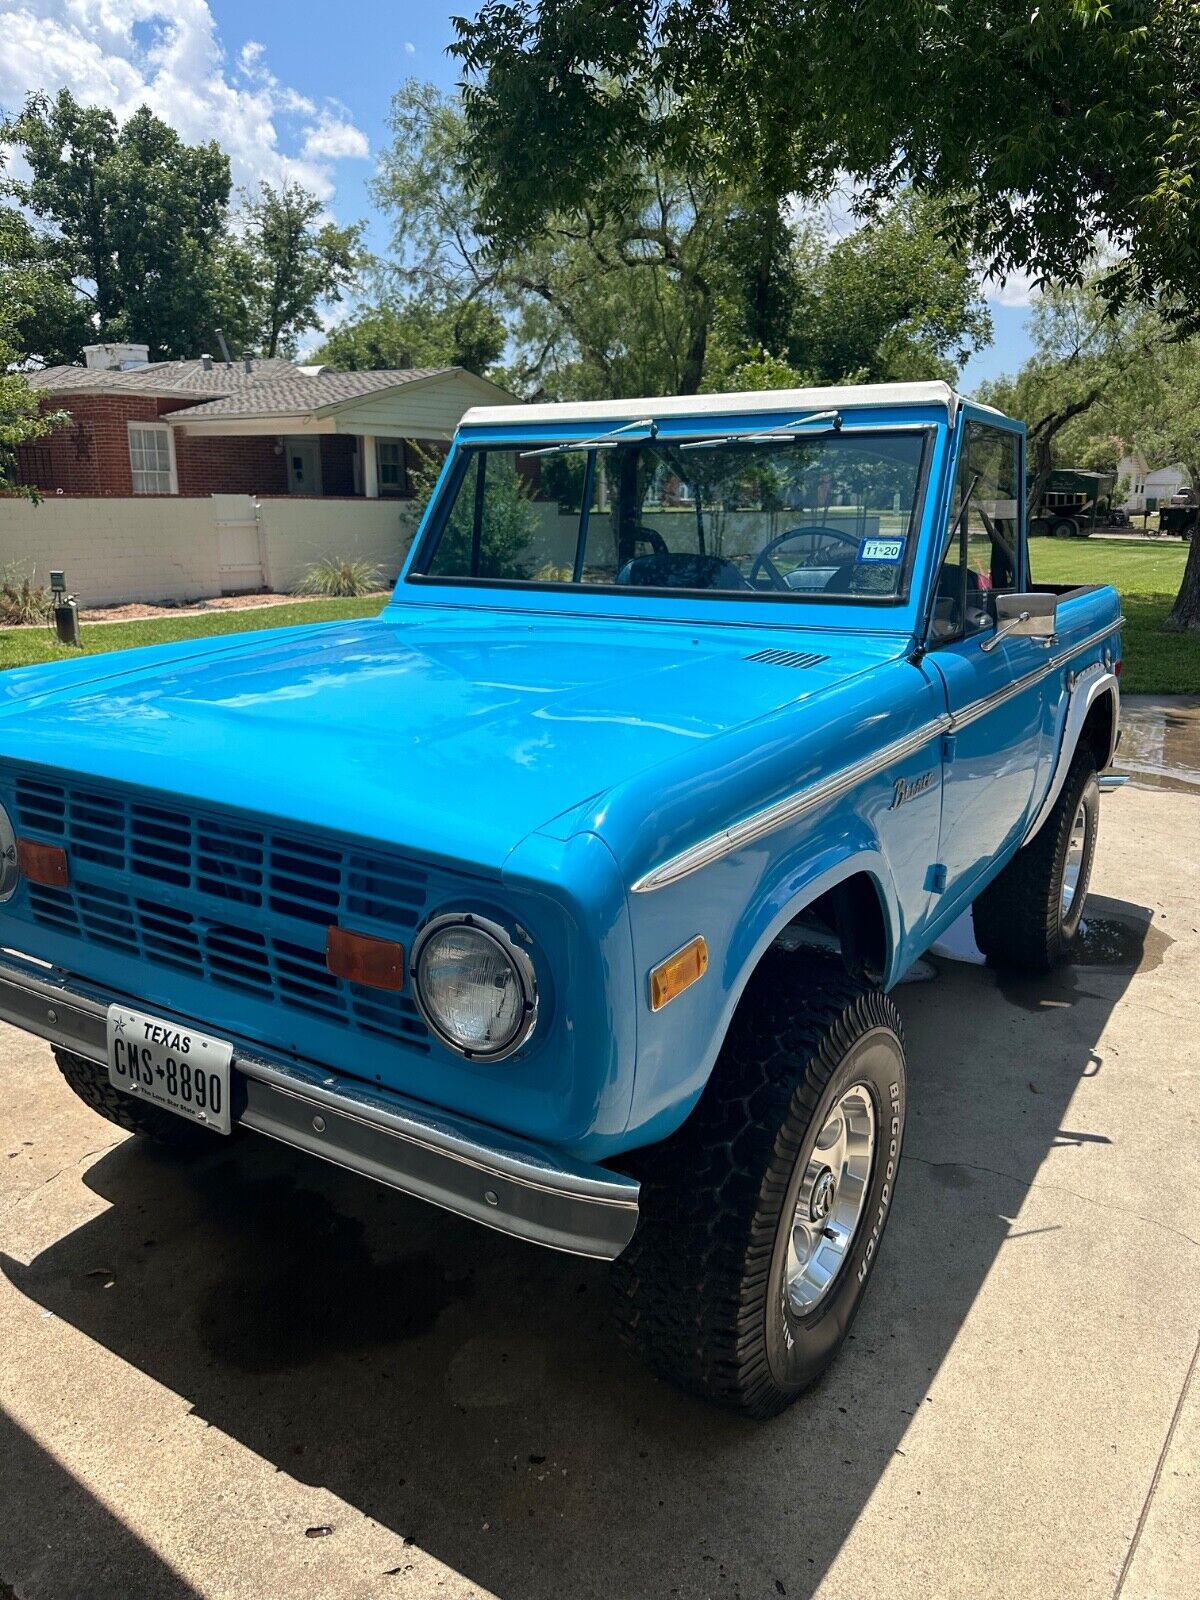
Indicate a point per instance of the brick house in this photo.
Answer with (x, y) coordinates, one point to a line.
(252, 427)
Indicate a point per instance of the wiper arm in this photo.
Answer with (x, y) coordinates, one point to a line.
(602, 441)
(786, 433)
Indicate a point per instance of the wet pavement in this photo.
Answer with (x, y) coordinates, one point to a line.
(1160, 742)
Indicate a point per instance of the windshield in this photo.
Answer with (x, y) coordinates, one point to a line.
(814, 518)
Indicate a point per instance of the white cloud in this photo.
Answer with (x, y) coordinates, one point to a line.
(333, 139)
(410, 48)
(1018, 289)
(167, 54)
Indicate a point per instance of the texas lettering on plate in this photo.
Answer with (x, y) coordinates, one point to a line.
(171, 1066)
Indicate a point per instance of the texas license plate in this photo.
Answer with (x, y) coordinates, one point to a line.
(169, 1066)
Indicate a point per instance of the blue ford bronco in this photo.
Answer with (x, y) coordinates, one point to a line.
(568, 893)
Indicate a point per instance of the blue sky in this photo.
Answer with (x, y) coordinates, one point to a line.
(297, 91)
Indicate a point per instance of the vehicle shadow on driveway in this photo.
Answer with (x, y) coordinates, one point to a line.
(468, 1391)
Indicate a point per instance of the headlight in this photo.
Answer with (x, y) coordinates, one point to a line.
(10, 872)
(475, 988)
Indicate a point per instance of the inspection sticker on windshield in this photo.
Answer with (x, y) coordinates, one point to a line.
(886, 550)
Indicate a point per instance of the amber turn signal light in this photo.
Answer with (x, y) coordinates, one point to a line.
(43, 863)
(360, 958)
(678, 972)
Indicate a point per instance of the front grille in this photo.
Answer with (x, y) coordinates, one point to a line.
(241, 906)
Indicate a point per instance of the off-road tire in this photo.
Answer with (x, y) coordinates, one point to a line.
(90, 1083)
(1019, 918)
(701, 1289)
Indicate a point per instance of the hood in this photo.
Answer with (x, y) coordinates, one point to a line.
(452, 735)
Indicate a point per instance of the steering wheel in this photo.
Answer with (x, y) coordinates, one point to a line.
(763, 563)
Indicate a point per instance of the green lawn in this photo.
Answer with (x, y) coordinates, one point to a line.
(1147, 575)
(21, 647)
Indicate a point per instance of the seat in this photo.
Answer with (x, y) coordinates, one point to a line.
(680, 569)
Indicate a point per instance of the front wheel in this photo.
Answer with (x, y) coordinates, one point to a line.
(761, 1218)
(1028, 917)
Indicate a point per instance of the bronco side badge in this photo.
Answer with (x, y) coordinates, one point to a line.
(906, 789)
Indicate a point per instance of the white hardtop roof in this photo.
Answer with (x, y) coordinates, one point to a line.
(839, 397)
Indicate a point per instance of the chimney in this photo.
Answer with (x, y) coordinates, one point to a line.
(247, 362)
(206, 363)
(116, 357)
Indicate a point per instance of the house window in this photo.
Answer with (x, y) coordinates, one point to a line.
(151, 458)
(393, 477)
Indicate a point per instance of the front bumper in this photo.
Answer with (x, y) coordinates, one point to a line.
(506, 1183)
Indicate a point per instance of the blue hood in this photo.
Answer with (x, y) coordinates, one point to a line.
(451, 735)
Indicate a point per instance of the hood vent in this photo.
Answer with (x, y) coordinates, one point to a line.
(802, 659)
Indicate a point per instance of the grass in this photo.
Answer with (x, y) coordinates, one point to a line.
(23, 647)
(1146, 573)
(1147, 576)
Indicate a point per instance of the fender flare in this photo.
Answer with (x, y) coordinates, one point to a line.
(749, 947)
(1087, 687)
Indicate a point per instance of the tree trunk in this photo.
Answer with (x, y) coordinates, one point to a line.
(1185, 613)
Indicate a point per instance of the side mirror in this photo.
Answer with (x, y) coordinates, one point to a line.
(1024, 616)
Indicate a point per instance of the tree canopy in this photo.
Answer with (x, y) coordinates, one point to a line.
(683, 284)
(1044, 127)
(123, 231)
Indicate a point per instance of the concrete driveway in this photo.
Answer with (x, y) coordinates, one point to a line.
(257, 1376)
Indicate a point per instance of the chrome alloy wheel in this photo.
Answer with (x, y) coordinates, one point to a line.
(829, 1206)
(1076, 853)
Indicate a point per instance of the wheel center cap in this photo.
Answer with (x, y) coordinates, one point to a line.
(821, 1201)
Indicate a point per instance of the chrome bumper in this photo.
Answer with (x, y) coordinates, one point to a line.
(504, 1182)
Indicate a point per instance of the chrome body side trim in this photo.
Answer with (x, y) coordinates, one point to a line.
(1092, 682)
(787, 810)
(507, 1183)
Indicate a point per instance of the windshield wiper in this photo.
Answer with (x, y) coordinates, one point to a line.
(602, 441)
(785, 433)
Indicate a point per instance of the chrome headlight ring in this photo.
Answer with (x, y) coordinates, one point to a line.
(517, 959)
(10, 871)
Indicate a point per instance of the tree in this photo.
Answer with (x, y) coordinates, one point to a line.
(1045, 126)
(1161, 414)
(21, 419)
(592, 294)
(416, 333)
(42, 320)
(1073, 388)
(285, 265)
(133, 219)
(673, 284)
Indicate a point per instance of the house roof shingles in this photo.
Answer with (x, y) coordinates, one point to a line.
(272, 387)
(296, 393)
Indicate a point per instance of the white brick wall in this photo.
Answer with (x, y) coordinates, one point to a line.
(153, 549)
(298, 532)
(114, 550)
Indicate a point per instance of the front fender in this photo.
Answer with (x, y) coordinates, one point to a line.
(740, 904)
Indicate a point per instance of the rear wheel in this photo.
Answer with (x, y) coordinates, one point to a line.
(1028, 917)
(1065, 528)
(761, 1218)
(90, 1083)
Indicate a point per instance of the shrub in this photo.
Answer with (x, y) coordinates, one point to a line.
(337, 578)
(21, 601)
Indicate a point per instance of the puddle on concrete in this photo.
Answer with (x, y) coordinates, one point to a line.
(1160, 742)
(1114, 934)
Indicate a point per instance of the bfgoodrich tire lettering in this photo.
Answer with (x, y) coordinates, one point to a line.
(702, 1291)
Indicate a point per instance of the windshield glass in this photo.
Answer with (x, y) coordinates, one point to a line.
(829, 517)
